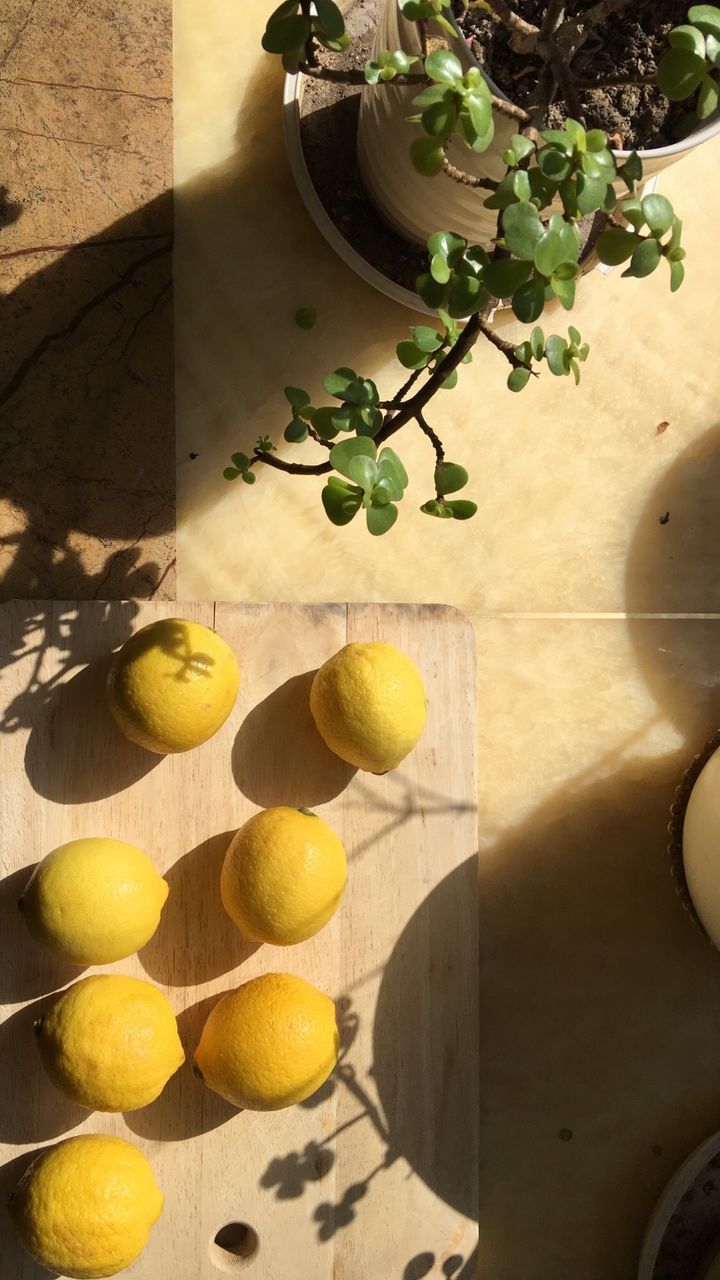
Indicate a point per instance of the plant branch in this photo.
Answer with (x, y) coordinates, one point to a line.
(566, 83)
(407, 411)
(512, 19)
(554, 15)
(506, 348)
(434, 439)
(615, 82)
(353, 76)
(407, 386)
(602, 10)
(467, 179)
(310, 50)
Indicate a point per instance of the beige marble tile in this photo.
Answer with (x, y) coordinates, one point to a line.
(571, 483)
(86, 366)
(599, 997)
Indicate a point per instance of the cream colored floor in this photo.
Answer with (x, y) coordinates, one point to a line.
(599, 997)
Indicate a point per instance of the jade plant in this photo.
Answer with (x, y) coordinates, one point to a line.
(554, 179)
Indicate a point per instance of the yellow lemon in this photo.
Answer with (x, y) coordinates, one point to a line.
(110, 1043)
(94, 901)
(283, 876)
(369, 704)
(85, 1207)
(270, 1043)
(172, 685)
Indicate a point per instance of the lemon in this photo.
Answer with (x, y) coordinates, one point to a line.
(93, 901)
(369, 704)
(110, 1043)
(283, 876)
(270, 1043)
(172, 685)
(85, 1207)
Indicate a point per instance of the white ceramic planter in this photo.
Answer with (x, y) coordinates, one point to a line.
(415, 205)
(292, 99)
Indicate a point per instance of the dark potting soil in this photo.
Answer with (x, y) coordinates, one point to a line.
(629, 43)
(328, 126)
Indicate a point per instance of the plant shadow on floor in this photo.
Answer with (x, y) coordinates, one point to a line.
(186, 1107)
(279, 757)
(196, 940)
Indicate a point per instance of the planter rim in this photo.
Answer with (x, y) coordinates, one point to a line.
(292, 93)
(693, 140)
(669, 1200)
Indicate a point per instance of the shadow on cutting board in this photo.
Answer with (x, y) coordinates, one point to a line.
(194, 912)
(424, 1104)
(31, 1108)
(279, 756)
(186, 1107)
(32, 971)
(15, 1261)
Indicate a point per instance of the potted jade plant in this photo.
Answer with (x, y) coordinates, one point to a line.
(520, 194)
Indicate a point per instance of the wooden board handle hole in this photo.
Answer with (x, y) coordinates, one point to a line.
(235, 1246)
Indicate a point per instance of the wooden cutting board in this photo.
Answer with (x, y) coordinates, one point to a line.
(375, 1178)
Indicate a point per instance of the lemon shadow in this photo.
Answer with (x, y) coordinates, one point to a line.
(15, 1261)
(75, 753)
(186, 1107)
(30, 970)
(279, 757)
(196, 940)
(31, 1108)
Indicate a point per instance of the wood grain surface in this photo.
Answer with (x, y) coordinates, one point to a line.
(376, 1175)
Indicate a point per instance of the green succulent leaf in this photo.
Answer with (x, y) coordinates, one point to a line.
(296, 431)
(231, 473)
(523, 352)
(390, 467)
(341, 502)
(322, 421)
(679, 73)
(658, 213)
(249, 477)
(523, 229)
(427, 156)
(707, 18)
(616, 245)
(554, 163)
(591, 193)
(439, 120)
(506, 275)
(712, 50)
(632, 210)
(645, 259)
(425, 338)
(305, 317)
(528, 301)
(364, 472)
(381, 518)
(466, 295)
(297, 398)
(537, 343)
(518, 379)
(410, 356)
(286, 34)
(439, 268)
(708, 98)
(631, 171)
(333, 23)
(677, 275)
(563, 287)
(433, 294)
(556, 355)
(450, 477)
(686, 37)
(596, 140)
(462, 508)
(342, 454)
(337, 383)
(443, 67)
(241, 461)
